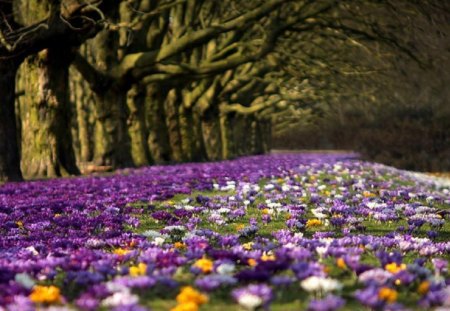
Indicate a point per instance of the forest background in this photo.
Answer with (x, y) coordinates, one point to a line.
(98, 85)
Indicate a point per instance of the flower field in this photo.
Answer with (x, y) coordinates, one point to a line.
(277, 232)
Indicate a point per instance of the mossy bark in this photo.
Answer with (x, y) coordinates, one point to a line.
(158, 135)
(257, 137)
(185, 119)
(171, 105)
(211, 134)
(83, 99)
(9, 149)
(226, 131)
(137, 128)
(47, 149)
(111, 138)
(266, 136)
(242, 134)
(191, 135)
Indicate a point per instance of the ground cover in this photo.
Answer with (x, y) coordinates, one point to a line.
(280, 232)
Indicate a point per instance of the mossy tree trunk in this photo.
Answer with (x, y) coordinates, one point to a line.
(226, 130)
(158, 135)
(257, 144)
(266, 135)
(191, 135)
(9, 149)
(137, 128)
(112, 140)
(185, 119)
(211, 134)
(171, 106)
(242, 134)
(83, 99)
(47, 149)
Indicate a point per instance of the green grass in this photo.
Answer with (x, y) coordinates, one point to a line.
(292, 297)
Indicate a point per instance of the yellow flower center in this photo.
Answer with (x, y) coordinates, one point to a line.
(45, 294)
(340, 262)
(138, 270)
(268, 257)
(179, 245)
(394, 267)
(313, 223)
(247, 246)
(388, 294)
(240, 227)
(121, 251)
(368, 194)
(187, 306)
(423, 288)
(252, 262)
(204, 264)
(189, 294)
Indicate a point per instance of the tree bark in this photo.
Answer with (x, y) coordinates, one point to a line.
(226, 131)
(158, 137)
(191, 135)
(137, 128)
(266, 135)
(211, 134)
(187, 133)
(83, 98)
(171, 106)
(111, 139)
(46, 133)
(9, 149)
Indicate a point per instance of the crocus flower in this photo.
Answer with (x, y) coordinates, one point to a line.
(329, 303)
(253, 296)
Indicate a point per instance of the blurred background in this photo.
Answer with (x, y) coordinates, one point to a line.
(89, 86)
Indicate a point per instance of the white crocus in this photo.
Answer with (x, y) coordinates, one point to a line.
(120, 298)
(226, 268)
(249, 301)
(317, 283)
(269, 187)
(159, 241)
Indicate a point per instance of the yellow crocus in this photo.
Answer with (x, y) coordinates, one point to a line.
(204, 264)
(394, 267)
(45, 294)
(138, 270)
(313, 223)
(388, 294)
(121, 251)
(188, 306)
(189, 294)
(423, 288)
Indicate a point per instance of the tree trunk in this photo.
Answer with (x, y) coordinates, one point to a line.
(200, 150)
(171, 108)
(187, 133)
(211, 134)
(266, 135)
(46, 133)
(137, 128)
(191, 135)
(256, 137)
(9, 149)
(240, 134)
(158, 137)
(84, 100)
(111, 138)
(226, 131)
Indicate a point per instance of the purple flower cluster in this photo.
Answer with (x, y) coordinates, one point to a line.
(309, 223)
